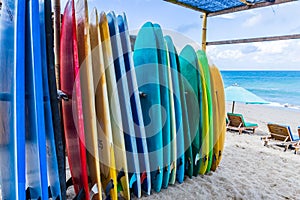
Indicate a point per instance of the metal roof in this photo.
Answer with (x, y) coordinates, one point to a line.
(217, 7)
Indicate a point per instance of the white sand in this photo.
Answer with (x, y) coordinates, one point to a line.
(248, 170)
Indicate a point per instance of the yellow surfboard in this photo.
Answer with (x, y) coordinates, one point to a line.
(219, 120)
(106, 152)
(115, 115)
(87, 91)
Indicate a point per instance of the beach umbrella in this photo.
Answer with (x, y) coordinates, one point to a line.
(239, 94)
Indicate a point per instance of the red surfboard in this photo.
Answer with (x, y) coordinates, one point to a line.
(72, 109)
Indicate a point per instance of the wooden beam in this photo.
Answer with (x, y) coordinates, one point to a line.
(186, 5)
(248, 7)
(260, 39)
(204, 31)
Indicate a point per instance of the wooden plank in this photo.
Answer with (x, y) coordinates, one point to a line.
(250, 40)
(248, 7)
(204, 32)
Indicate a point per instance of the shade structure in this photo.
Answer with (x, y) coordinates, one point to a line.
(240, 94)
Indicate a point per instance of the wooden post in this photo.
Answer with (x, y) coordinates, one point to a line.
(56, 24)
(204, 30)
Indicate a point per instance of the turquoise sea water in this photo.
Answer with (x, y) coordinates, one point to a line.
(281, 88)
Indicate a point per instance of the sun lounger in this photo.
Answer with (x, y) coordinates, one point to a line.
(297, 145)
(281, 133)
(237, 122)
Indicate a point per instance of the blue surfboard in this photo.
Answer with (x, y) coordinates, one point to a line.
(12, 100)
(36, 160)
(57, 128)
(135, 106)
(53, 175)
(124, 100)
(174, 64)
(146, 65)
(165, 102)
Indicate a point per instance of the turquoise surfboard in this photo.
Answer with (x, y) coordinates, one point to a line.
(137, 115)
(36, 161)
(165, 102)
(124, 100)
(190, 70)
(174, 64)
(146, 65)
(53, 175)
(12, 100)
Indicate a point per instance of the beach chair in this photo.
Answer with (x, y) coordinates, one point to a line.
(237, 122)
(281, 133)
(297, 145)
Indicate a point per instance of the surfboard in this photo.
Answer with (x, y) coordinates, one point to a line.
(126, 112)
(137, 115)
(56, 118)
(87, 92)
(165, 102)
(189, 70)
(177, 155)
(36, 161)
(72, 114)
(12, 100)
(102, 100)
(52, 166)
(146, 66)
(116, 123)
(218, 100)
(207, 115)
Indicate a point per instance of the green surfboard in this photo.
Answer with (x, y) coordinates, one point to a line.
(190, 71)
(207, 111)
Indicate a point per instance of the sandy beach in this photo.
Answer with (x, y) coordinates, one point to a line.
(248, 170)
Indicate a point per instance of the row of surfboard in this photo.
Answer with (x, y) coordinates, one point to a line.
(134, 122)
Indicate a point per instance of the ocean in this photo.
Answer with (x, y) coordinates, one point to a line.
(280, 88)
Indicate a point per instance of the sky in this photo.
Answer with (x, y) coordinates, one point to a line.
(185, 25)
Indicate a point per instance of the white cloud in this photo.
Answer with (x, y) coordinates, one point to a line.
(252, 21)
(227, 16)
(230, 54)
(275, 47)
(268, 55)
